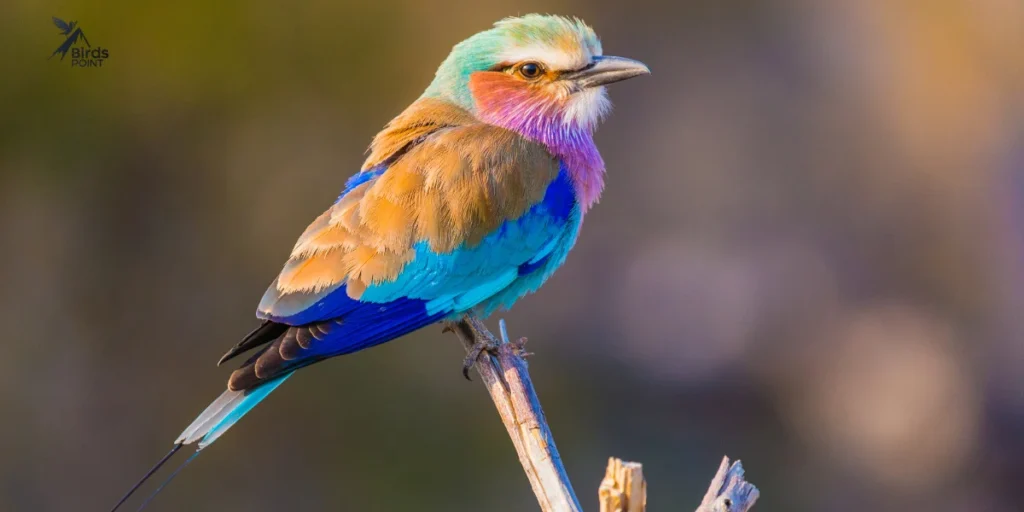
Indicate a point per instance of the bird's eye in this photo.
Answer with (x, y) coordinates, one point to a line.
(531, 70)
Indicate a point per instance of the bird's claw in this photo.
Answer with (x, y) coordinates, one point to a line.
(520, 348)
(487, 344)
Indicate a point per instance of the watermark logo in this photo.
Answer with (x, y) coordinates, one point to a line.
(81, 56)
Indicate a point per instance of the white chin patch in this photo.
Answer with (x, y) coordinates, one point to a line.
(587, 107)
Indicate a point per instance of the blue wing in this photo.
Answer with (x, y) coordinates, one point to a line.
(62, 25)
(513, 260)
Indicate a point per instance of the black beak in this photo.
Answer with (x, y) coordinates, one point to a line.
(606, 70)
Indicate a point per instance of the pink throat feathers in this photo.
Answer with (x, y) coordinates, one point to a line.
(543, 118)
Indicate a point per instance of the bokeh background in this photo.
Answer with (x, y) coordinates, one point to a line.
(810, 256)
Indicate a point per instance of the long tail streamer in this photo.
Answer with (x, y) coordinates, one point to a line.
(216, 419)
(165, 482)
(150, 473)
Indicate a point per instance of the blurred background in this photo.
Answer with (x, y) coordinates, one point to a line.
(810, 256)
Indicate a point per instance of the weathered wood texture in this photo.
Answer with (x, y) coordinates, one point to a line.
(729, 491)
(623, 488)
(504, 372)
(508, 381)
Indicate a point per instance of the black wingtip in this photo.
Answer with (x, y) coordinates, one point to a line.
(267, 331)
(147, 476)
(227, 356)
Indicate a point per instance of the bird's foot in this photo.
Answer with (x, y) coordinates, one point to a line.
(518, 346)
(482, 341)
(482, 344)
(485, 341)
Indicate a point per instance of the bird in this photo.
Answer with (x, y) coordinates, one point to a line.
(73, 33)
(468, 200)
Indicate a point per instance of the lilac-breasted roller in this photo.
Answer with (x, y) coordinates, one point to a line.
(469, 199)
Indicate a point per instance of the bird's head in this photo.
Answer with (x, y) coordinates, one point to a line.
(533, 74)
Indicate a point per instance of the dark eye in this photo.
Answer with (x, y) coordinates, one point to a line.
(531, 70)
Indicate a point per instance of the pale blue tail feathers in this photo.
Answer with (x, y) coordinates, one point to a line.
(224, 412)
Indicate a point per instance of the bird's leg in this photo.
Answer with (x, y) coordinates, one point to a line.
(477, 339)
(474, 353)
(483, 341)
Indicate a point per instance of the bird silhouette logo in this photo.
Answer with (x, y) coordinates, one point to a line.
(72, 32)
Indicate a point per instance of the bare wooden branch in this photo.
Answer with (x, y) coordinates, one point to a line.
(623, 488)
(505, 374)
(508, 381)
(729, 491)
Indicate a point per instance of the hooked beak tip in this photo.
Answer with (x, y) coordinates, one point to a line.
(606, 70)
